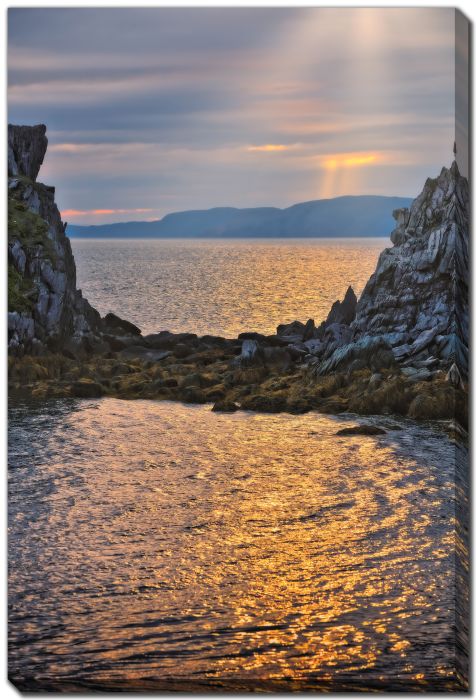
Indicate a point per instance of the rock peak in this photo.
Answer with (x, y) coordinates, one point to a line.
(26, 150)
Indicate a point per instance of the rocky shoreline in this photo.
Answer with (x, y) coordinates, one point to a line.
(400, 349)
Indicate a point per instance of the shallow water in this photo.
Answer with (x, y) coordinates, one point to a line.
(163, 545)
(222, 287)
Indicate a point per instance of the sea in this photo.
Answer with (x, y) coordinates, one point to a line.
(157, 545)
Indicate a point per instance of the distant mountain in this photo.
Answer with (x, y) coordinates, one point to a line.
(368, 215)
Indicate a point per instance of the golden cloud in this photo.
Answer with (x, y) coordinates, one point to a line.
(349, 160)
(69, 213)
(270, 147)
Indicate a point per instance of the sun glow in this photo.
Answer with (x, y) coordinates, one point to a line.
(349, 160)
(270, 147)
(341, 171)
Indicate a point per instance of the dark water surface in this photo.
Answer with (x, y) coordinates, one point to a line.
(158, 545)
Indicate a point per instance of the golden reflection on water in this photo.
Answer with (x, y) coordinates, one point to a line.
(170, 542)
(222, 287)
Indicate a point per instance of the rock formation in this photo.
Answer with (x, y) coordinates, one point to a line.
(46, 310)
(416, 302)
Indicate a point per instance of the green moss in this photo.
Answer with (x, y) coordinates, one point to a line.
(29, 228)
(21, 292)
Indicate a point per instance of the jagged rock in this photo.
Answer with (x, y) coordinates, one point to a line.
(415, 374)
(41, 264)
(26, 150)
(417, 299)
(370, 351)
(343, 312)
(309, 330)
(454, 377)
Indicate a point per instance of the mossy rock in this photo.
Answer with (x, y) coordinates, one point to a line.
(87, 389)
(264, 403)
(29, 228)
(298, 406)
(215, 393)
(193, 394)
(22, 293)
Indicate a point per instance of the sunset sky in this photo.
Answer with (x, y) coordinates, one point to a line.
(157, 110)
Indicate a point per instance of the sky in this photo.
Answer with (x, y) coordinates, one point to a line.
(155, 110)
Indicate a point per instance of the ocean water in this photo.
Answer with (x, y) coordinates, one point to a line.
(160, 545)
(222, 287)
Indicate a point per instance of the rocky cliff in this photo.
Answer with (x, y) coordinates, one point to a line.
(415, 305)
(45, 308)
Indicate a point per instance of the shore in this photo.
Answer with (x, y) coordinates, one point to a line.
(217, 371)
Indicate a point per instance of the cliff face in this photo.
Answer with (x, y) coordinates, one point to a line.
(46, 310)
(416, 302)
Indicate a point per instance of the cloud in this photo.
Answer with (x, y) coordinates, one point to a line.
(350, 160)
(270, 147)
(146, 107)
(69, 213)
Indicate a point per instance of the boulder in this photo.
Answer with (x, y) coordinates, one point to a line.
(120, 326)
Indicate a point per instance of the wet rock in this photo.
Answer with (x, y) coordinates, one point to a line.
(225, 407)
(361, 430)
(298, 406)
(264, 403)
(193, 394)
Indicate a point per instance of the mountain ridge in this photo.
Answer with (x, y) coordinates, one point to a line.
(336, 217)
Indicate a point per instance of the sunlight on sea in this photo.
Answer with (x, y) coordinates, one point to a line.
(159, 543)
(222, 287)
